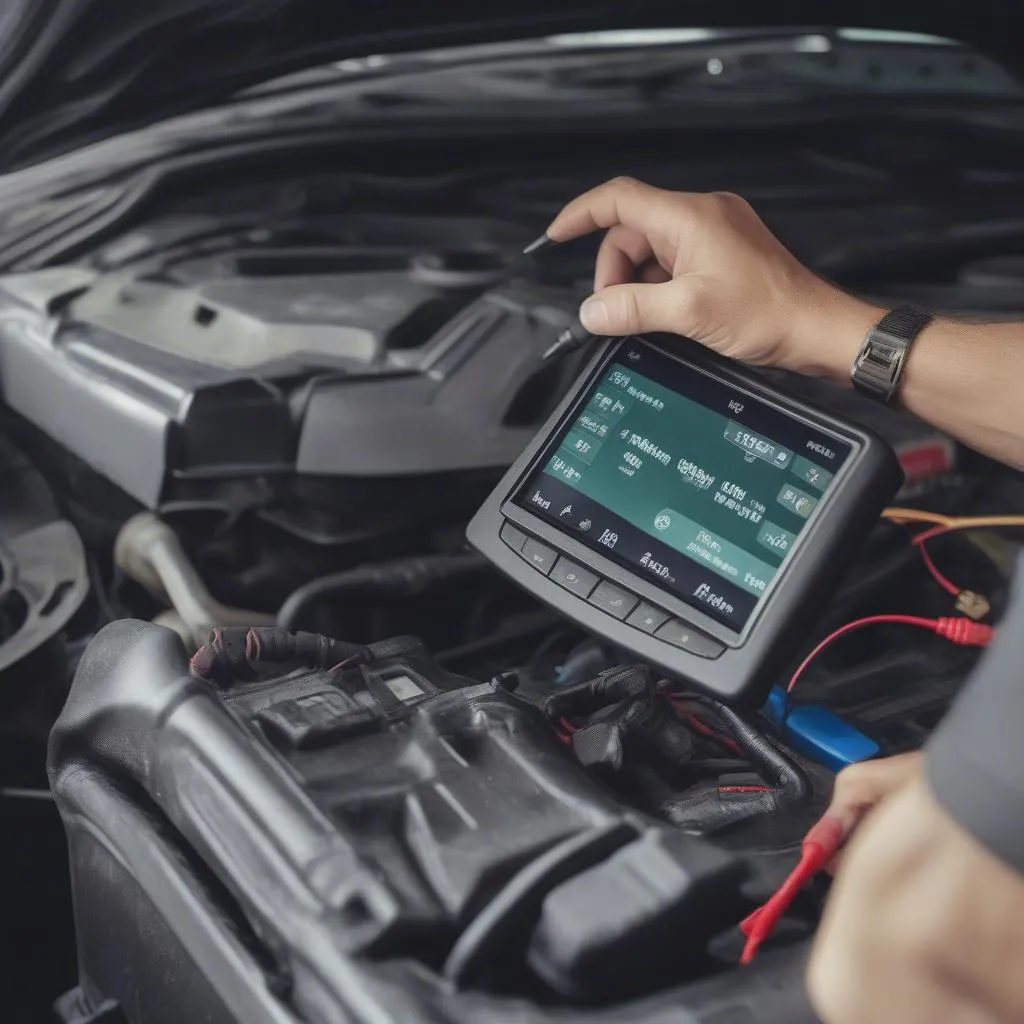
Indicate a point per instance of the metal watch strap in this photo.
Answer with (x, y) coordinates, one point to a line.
(879, 364)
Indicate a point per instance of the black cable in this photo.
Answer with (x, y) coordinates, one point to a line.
(535, 665)
(406, 576)
(514, 910)
(528, 627)
(788, 779)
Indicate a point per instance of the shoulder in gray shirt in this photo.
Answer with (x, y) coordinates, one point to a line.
(975, 758)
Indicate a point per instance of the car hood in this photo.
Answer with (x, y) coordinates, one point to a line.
(77, 71)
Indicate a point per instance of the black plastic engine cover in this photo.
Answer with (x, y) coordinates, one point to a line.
(268, 852)
(365, 369)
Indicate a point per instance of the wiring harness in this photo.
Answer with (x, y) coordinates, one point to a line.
(686, 758)
(968, 602)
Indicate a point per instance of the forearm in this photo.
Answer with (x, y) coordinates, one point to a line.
(967, 379)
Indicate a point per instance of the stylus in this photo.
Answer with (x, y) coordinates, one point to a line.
(537, 244)
(569, 340)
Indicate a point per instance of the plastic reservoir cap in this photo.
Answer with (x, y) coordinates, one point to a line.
(820, 734)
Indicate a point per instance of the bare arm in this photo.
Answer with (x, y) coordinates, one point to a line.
(967, 379)
(706, 266)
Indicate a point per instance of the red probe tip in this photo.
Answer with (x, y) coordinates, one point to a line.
(749, 952)
(820, 845)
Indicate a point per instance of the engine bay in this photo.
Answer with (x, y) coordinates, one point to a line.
(261, 417)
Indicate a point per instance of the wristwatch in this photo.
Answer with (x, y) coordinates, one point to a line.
(879, 364)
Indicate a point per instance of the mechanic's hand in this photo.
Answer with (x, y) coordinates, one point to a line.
(923, 925)
(705, 266)
(861, 787)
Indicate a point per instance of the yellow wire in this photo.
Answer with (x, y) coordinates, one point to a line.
(913, 515)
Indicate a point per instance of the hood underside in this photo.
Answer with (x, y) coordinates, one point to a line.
(74, 72)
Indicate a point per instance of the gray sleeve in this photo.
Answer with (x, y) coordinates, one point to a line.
(975, 759)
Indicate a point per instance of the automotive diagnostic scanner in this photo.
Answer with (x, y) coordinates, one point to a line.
(683, 509)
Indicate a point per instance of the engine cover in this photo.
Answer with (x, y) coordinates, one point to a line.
(366, 366)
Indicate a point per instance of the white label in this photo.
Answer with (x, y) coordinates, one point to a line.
(403, 687)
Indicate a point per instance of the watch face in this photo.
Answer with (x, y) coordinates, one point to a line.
(879, 364)
(876, 370)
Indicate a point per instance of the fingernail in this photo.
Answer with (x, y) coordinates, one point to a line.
(594, 316)
(537, 243)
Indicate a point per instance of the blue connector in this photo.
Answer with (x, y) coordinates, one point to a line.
(820, 734)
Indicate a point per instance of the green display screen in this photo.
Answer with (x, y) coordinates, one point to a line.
(684, 478)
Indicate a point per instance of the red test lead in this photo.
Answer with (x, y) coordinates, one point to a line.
(820, 845)
(957, 630)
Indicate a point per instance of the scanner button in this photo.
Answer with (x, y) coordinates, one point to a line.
(647, 617)
(682, 634)
(513, 537)
(574, 577)
(613, 599)
(540, 556)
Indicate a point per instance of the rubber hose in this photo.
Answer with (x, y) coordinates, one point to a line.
(148, 550)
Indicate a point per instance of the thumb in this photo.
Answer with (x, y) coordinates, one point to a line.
(633, 309)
